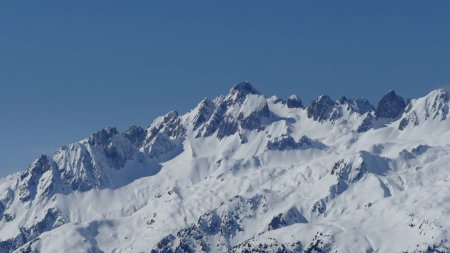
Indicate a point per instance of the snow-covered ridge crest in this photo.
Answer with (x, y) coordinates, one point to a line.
(244, 172)
(434, 106)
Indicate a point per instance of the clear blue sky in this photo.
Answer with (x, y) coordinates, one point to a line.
(68, 68)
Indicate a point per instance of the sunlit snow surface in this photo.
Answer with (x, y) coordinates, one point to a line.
(243, 173)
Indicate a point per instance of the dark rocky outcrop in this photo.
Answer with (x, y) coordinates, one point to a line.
(29, 179)
(288, 143)
(222, 224)
(366, 124)
(204, 113)
(223, 123)
(52, 219)
(239, 92)
(136, 135)
(321, 108)
(165, 137)
(294, 102)
(287, 218)
(390, 106)
(359, 105)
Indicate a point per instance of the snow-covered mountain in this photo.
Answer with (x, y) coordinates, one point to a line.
(245, 173)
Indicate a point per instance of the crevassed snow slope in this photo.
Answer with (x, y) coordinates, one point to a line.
(245, 173)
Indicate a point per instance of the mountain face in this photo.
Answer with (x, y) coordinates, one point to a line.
(245, 173)
(390, 106)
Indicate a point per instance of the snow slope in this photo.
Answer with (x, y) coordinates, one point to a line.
(245, 173)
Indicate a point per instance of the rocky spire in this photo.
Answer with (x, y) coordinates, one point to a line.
(390, 106)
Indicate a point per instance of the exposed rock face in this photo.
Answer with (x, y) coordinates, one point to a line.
(294, 102)
(78, 170)
(438, 106)
(164, 136)
(276, 100)
(350, 172)
(136, 135)
(324, 109)
(215, 122)
(169, 125)
(31, 178)
(321, 108)
(287, 218)
(2, 210)
(360, 105)
(219, 225)
(390, 106)
(434, 106)
(239, 92)
(305, 180)
(227, 127)
(204, 113)
(272, 246)
(288, 143)
(52, 219)
(254, 120)
(366, 124)
(242, 108)
(103, 137)
(409, 120)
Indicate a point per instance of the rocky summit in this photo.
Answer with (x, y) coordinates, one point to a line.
(245, 173)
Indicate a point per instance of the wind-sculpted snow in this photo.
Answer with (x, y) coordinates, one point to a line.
(245, 173)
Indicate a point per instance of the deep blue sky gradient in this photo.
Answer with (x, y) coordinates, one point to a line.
(68, 68)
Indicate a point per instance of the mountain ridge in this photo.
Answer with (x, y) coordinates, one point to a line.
(242, 147)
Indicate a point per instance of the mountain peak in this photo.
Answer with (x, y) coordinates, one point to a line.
(434, 105)
(103, 137)
(240, 91)
(321, 108)
(245, 88)
(390, 106)
(359, 105)
(274, 179)
(342, 100)
(135, 134)
(42, 160)
(294, 102)
(204, 110)
(439, 93)
(391, 92)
